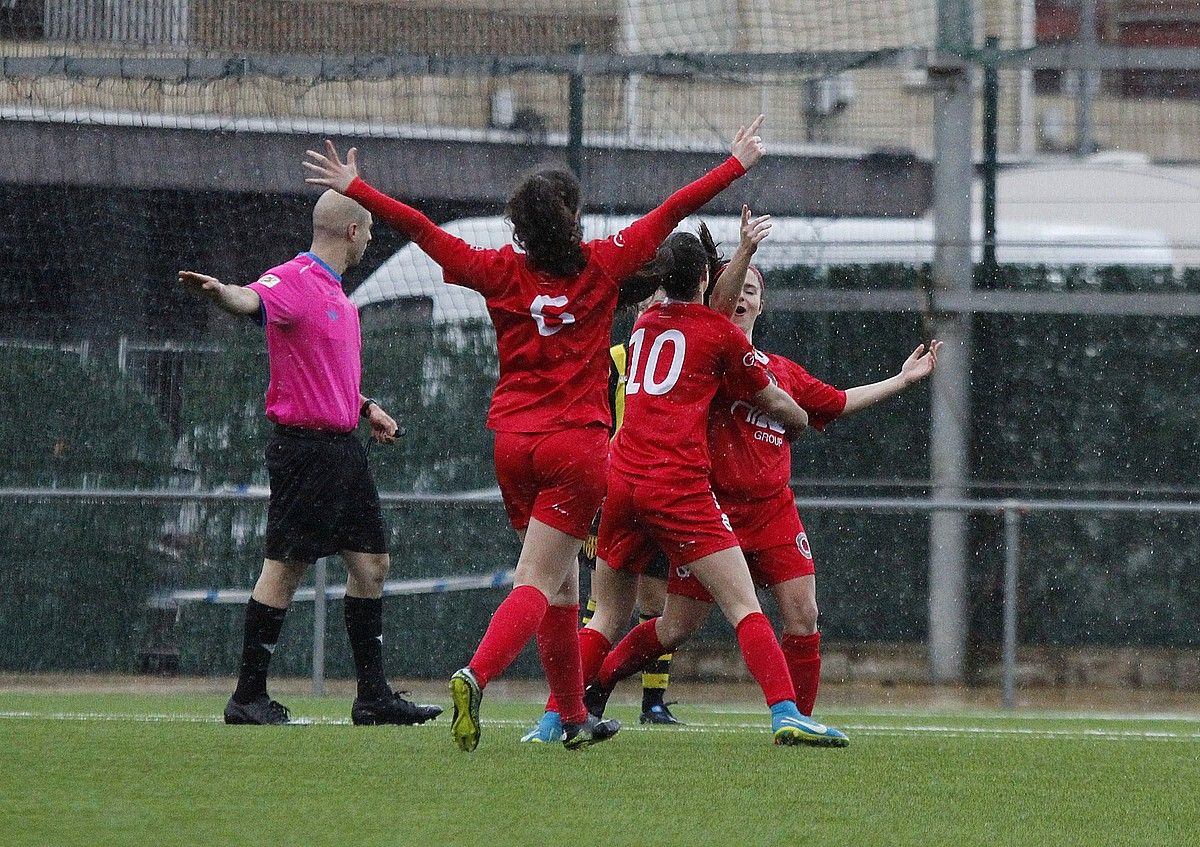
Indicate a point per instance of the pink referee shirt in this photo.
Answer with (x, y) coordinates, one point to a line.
(313, 344)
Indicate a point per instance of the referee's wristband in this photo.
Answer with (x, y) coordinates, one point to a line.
(365, 409)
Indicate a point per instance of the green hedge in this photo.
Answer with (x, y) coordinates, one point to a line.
(1091, 401)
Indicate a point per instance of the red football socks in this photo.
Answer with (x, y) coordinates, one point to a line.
(558, 645)
(593, 647)
(513, 624)
(635, 651)
(803, 656)
(764, 658)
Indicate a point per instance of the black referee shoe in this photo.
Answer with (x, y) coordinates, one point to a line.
(262, 711)
(391, 709)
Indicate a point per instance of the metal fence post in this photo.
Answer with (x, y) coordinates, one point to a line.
(320, 603)
(1012, 553)
(575, 94)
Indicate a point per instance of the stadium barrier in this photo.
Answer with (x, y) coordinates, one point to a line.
(1013, 511)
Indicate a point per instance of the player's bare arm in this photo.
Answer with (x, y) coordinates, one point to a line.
(747, 145)
(724, 297)
(234, 299)
(920, 364)
(384, 428)
(782, 408)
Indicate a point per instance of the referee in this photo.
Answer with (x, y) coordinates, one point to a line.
(323, 498)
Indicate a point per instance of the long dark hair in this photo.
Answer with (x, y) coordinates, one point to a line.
(677, 268)
(544, 211)
(716, 260)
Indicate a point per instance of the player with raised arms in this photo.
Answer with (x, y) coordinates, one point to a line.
(552, 306)
(751, 475)
(681, 353)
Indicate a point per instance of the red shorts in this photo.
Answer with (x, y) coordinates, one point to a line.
(685, 523)
(773, 539)
(556, 477)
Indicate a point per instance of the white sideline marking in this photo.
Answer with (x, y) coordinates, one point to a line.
(760, 726)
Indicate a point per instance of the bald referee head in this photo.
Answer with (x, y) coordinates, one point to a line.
(341, 229)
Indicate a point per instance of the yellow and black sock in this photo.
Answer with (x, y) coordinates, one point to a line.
(656, 678)
(589, 611)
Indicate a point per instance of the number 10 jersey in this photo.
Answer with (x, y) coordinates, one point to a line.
(679, 355)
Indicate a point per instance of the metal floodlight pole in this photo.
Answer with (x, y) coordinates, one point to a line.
(949, 438)
(320, 613)
(1012, 553)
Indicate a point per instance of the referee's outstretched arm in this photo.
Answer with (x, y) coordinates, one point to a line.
(235, 299)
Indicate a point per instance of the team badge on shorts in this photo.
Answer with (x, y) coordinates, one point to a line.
(803, 546)
(683, 572)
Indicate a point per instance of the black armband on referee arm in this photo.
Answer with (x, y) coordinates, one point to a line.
(365, 409)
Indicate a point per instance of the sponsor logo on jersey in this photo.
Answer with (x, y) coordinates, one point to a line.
(269, 280)
(725, 521)
(619, 239)
(333, 315)
(766, 426)
(803, 546)
(748, 359)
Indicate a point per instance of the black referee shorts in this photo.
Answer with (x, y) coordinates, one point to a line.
(323, 498)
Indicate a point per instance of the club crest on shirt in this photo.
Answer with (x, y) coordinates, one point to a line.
(268, 280)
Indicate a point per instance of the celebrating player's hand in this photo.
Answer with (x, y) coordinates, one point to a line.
(747, 146)
(329, 170)
(921, 363)
(754, 230)
(383, 428)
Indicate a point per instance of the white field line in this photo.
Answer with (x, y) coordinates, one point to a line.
(761, 726)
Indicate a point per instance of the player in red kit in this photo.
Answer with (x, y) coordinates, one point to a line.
(552, 306)
(750, 476)
(680, 354)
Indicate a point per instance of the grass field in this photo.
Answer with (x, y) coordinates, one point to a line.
(126, 769)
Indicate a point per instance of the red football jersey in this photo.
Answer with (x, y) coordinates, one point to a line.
(680, 354)
(552, 333)
(751, 458)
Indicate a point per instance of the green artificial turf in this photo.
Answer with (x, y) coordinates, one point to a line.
(79, 769)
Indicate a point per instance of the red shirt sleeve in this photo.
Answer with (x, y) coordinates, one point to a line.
(634, 246)
(742, 371)
(822, 401)
(463, 264)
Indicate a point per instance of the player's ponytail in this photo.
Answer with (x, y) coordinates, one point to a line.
(544, 211)
(689, 261)
(716, 261)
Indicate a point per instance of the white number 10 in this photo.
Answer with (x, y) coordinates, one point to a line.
(678, 348)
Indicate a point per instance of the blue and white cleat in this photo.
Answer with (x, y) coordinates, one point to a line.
(549, 730)
(791, 728)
